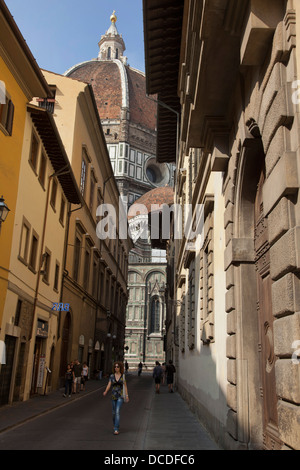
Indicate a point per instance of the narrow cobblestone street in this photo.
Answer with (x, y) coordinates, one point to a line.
(148, 422)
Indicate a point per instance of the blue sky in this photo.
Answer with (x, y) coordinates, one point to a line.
(62, 33)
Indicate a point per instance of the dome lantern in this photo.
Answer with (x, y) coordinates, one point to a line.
(111, 44)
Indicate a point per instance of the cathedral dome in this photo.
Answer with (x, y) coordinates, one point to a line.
(120, 90)
(128, 116)
(118, 87)
(149, 200)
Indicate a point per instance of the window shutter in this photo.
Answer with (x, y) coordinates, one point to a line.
(10, 117)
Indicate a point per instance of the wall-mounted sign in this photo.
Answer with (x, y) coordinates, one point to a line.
(42, 329)
(41, 371)
(60, 307)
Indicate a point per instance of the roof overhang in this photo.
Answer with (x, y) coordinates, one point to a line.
(46, 127)
(192, 50)
(162, 34)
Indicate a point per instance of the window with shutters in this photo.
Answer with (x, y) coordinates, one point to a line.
(7, 110)
(46, 266)
(191, 305)
(53, 193)
(34, 151)
(42, 169)
(24, 242)
(182, 317)
(207, 278)
(56, 276)
(76, 260)
(87, 263)
(83, 175)
(33, 252)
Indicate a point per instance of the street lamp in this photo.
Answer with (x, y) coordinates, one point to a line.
(4, 210)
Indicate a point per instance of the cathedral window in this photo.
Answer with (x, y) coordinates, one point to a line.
(151, 175)
(112, 151)
(155, 315)
(131, 171)
(139, 173)
(132, 155)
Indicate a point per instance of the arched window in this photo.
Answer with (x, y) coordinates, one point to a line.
(117, 53)
(109, 53)
(155, 315)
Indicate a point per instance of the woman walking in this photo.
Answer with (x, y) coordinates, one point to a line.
(69, 379)
(119, 393)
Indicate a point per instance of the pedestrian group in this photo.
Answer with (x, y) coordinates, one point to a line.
(76, 376)
(162, 374)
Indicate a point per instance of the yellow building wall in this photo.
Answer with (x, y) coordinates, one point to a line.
(31, 205)
(10, 156)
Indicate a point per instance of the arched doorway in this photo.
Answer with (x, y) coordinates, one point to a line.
(256, 387)
(271, 439)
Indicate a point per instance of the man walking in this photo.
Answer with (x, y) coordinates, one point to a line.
(77, 374)
(170, 370)
(157, 375)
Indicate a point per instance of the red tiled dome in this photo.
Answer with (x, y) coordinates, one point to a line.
(106, 80)
(159, 196)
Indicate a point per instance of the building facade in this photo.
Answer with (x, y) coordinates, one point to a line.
(16, 89)
(128, 118)
(30, 258)
(95, 269)
(30, 315)
(234, 285)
